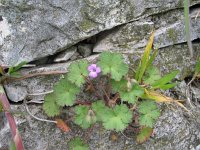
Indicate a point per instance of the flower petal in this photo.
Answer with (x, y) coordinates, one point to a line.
(93, 74)
(98, 70)
(92, 67)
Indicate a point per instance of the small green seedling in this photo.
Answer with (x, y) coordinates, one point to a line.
(11, 72)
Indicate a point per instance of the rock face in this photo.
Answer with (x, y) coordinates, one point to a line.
(133, 36)
(35, 29)
(175, 129)
(53, 33)
(66, 55)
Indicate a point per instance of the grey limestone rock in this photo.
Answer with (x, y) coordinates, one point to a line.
(196, 92)
(134, 36)
(66, 55)
(35, 29)
(76, 56)
(127, 38)
(85, 49)
(172, 131)
(40, 28)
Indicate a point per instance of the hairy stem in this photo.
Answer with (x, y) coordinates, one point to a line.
(14, 131)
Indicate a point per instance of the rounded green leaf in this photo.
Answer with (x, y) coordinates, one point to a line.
(149, 113)
(65, 92)
(113, 63)
(117, 118)
(50, 106)
(100, 109)
(78, 72)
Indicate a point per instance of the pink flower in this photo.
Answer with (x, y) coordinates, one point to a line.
(94, 70)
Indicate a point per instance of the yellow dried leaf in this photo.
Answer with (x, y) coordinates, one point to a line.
(158, 97)
(145, 59)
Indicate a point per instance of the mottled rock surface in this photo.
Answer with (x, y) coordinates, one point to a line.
(53, 34)
(35, 29)
(169, 30)
(85, 49)
(175, 129)
(66, 55)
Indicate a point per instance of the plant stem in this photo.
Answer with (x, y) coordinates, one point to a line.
(188, 26)
(14, 131)
(91, 87)
(108, 98)
(10, 79)
(78, 102)
(109, 88)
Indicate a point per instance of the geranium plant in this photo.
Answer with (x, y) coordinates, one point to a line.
(119, 94)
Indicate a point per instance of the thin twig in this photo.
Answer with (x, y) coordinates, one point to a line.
(42, 93)
(38, 101)
(44, 120)
(113, 101)
(193, 78)
(133, 107)
(105, 93)
(10, 79)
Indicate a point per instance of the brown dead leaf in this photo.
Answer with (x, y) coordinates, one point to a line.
(62, 125)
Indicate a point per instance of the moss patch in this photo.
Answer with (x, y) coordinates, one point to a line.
(87, 25)
(3, 2)
(171, 33)
(24, 7)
